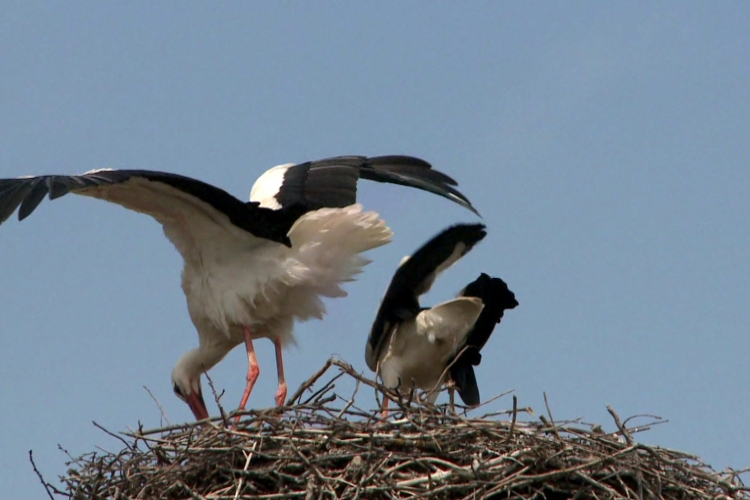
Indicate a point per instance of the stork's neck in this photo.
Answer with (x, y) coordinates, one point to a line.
(197, 361)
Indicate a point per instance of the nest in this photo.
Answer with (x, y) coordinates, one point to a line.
(326, 447)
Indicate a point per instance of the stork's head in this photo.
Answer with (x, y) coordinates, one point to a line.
(186, 381)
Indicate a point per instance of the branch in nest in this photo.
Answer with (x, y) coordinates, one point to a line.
(327, 447)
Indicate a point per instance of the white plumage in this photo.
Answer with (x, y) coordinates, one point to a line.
(250, 281)
(415, 347)
(419, 350)
(263, 287)
(250, 269)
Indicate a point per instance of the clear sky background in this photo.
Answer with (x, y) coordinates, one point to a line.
(606, 145)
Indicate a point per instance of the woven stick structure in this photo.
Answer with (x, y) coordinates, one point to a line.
(321, 445)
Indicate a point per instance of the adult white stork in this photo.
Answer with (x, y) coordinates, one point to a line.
(251, 268)
(411, 346)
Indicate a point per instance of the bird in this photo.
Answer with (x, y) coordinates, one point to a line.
(411, 346)
(250, 268)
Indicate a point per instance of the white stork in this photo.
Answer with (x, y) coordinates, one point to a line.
(251, 268)
(411, 346)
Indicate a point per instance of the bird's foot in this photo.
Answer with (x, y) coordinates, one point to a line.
(281, 394)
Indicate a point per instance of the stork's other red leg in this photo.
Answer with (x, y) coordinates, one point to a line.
(281, 393)
(384, 411)
(252, 371)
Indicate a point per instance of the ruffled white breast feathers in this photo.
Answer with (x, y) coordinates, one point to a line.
(268, 282)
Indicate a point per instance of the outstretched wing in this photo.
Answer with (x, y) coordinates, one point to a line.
(199, 217)
(332, 182)
(497, 298)
(196, 216)
(415, 277)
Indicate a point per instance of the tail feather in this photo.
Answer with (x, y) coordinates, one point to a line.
(466, 384)
(325, 252)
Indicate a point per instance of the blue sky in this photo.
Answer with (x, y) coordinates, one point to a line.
(606, 146)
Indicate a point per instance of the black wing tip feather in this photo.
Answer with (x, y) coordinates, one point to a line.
(445, 241)
(466, 384)
(423, 263)
(332, 182)
(440, 247)
(398, 160)
(29, 192)
(468, 234)
(32, 200)
(24, 192)
(414, 172)
(411, 163)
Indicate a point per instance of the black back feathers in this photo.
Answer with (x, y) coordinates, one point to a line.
(497, 298)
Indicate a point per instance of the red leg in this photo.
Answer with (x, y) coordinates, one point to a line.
(281, 393)
(253, 371)
(384, 412)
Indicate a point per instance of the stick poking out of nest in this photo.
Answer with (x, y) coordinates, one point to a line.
(326, 447)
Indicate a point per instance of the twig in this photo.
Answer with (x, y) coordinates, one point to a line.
(248, 457)
(217, 398)
(494, 398)
(549, 412)
(328, 447)
(158, 404)
(187, 488)
(119, 438)
(618, 423)
(327, 387)
(309, 383)
(350, 402)
(39, 475)
(515, 416)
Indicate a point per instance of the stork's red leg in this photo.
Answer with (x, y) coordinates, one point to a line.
(281, 393)
(384, 412)
(253, 370)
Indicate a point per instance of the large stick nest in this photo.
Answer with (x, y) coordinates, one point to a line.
(326, 447)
